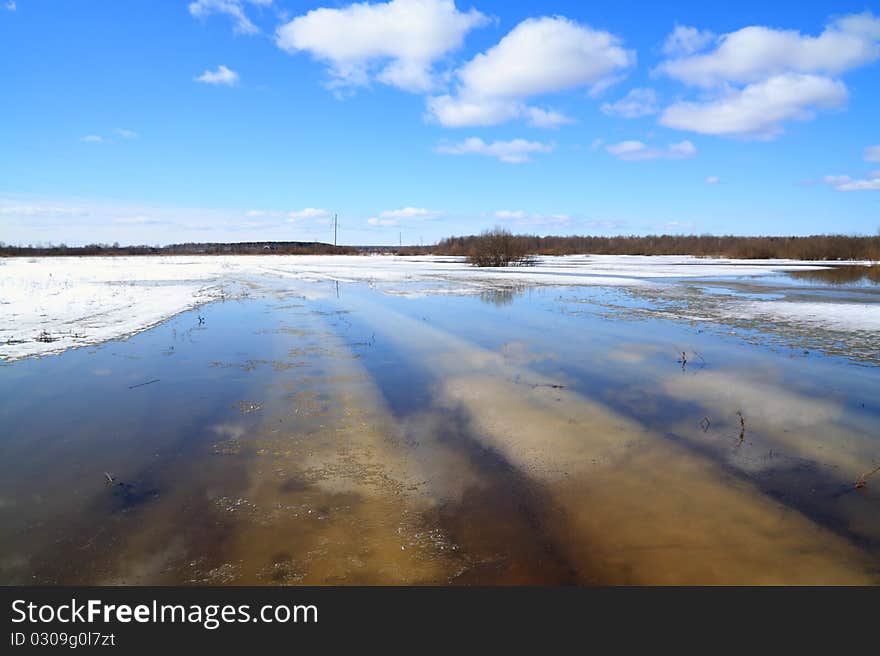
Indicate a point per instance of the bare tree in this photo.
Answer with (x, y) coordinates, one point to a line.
(498, 248)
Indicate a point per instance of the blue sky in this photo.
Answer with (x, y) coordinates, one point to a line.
(210, 120)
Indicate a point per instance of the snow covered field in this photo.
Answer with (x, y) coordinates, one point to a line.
(48, 305)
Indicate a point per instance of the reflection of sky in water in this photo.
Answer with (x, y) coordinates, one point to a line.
(513, 436)
(851, 276)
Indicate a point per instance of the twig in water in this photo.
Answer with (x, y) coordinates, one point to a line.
(46, 338)
(742, 426)
(705, 423)
(109, 478)
(149, 382)
(863, 479)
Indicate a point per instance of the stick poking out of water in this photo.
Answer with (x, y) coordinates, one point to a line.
(863, 479)
(149, 382)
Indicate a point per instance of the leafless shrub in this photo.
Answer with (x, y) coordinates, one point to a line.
(498, 248)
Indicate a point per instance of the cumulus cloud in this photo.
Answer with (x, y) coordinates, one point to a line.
(232, 8)
(757, 77)
(686, 40)
(539, 56)
(458, 112)
(759, 109)
(845, 183)
(544, 55)
(713, 180)
(638, 102)
(872, 154)
(92, 138)
(636, 150)
(755, 53)
(516, 151)
(396, 42)
(222, 76)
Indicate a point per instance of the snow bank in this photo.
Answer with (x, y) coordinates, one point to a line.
(50, 304)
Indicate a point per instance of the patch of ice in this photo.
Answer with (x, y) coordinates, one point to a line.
(833, 316)
(48, 305)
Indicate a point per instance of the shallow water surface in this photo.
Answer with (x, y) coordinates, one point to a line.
(331, 433)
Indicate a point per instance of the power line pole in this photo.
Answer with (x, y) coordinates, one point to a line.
(334, 229)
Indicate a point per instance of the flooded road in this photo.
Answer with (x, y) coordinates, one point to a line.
(330, 433)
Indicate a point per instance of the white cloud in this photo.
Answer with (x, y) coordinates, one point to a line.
(232, 8)
(759, 77)
(92, 138)
(418, 213)
(376, 221)
(636, 150)
(686, 40)
(309, 213)
(394, 42)
(539, 56)
(872, 154)
(846, 183)
(516, 151)
(509, 214)
(713, 180)
(40, 210)
(126, 134)
(545, 55)
(545, 118)
(460, 112)
(638, 102)
(759, 109)
(456, 112)
(222, 76)
(756, 53)
(29, 219)
(10, 5)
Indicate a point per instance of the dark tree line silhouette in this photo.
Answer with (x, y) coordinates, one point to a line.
(815, 247)
(239, 248)
(499, 247)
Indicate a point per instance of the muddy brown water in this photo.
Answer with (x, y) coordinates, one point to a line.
(360, 437)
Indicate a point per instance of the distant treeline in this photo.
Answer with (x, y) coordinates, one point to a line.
(816, 247)
(241, 248)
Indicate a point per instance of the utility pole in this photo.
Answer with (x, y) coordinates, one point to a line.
(334, 229)
(399, 239)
